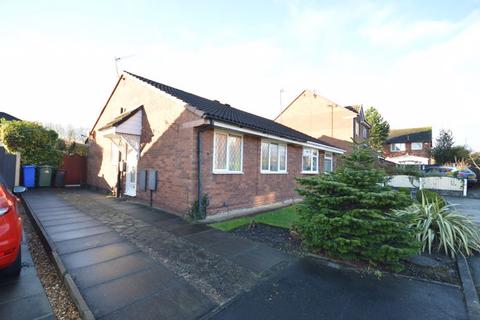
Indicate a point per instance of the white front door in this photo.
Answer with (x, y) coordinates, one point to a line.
(131, 174)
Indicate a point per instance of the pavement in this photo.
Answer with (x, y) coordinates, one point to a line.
(308, 290)
(131, 262)
(23, 298)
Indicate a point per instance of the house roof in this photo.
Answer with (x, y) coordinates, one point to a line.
(121, 118)
(339, 143)
(215, 110)
(8, 117)
(410, 135)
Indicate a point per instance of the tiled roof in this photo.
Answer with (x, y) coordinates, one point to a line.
(339, 143)
(121, 118)
(410, 135)
(8, 117)
(213, 109)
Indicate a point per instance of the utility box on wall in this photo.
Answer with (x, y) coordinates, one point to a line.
(142, 180)
(152, 180)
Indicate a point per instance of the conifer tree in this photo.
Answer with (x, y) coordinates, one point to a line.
(347, 213)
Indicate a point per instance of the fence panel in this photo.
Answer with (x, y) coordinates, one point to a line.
(8, 167)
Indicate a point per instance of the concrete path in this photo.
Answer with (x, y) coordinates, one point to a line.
(23, 298)
(132, 262)
(308, 290)
(467, 206)
(115, 278)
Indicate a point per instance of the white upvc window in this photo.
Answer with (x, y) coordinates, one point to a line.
(397, 147)
(227, 152)
(273, 157)
(328, 162)
(113, 153)
(417, 146)
(310, 160)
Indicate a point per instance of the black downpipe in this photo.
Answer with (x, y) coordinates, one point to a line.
(199, 165)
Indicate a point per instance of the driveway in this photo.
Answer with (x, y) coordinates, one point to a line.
(467, 206)
(23, 298)
(130, 261)
(307, 290)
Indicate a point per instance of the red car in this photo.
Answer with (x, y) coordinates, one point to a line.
(10, 232)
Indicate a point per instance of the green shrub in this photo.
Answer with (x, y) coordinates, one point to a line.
(348, 213)
(36, 144)
(431, 197)
(442, 227)
(405, 191)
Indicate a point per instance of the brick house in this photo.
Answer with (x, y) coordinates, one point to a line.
(409, 146)
(199, 147)
(319, 117)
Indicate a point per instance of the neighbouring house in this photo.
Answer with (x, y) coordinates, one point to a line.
(200, 148)
(319, 117)
(409, 146)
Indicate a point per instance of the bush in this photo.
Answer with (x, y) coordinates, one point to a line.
(36, 144)
(405, 191)
(348, 213)
(442, 227)
(407, 170)
(431, 197)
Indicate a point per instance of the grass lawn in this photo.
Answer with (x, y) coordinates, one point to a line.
(283, 218)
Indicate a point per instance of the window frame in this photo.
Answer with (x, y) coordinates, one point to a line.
(416, 143)
(270, 142)
(227, 155)
(330, 157)
(311, 161)
(400, 143)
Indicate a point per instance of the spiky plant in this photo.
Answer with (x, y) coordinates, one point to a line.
(441, 227)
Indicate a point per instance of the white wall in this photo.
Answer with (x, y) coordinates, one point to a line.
(433, 183)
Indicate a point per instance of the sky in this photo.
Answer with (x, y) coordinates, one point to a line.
(417, 62)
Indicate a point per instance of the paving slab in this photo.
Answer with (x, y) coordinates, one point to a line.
(113, 269)
(66, 221)
(119, 293)
(79, 233)
(80, 244)
(23, 297)
(97, 255)
(76, 226)
(260, 259)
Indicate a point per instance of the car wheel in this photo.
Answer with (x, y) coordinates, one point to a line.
(16, 267)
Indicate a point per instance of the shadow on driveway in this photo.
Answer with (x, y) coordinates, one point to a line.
(308, 290)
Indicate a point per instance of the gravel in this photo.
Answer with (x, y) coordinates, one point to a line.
(57, 294)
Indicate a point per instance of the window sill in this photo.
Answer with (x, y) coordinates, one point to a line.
(273, 172)
(309, 172)
(227, 172)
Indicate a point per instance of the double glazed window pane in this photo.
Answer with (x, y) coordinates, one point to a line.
(228, 152)
(220, 151)
(265, 155)
(234, 153)
(282, 153)
(273, 157)
(307, 160)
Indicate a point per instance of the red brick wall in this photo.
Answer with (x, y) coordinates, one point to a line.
(167, 145)
(252, 188)
(408, 150)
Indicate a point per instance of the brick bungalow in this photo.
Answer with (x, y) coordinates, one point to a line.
(409, 146)
(198, 147)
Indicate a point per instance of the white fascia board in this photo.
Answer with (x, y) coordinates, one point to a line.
(273, 137)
